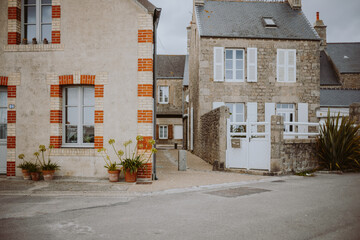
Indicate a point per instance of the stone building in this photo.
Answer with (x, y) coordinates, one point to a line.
(339, 74)
(170, 72)
(75, 74)
(258, 59)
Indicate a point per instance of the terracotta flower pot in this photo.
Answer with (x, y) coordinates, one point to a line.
(48, 174)
(114, 176)
(130, 177)
(26, 174)
(35, 176)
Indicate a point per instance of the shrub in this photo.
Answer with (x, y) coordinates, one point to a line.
(338, 146)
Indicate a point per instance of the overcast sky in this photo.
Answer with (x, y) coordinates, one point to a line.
(341, 16)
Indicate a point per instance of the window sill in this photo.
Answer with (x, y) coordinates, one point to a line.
(34, 48)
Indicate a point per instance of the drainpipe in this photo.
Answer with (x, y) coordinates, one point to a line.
(157, 13)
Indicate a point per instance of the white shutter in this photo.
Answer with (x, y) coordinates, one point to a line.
(281, 59)
(218, 104)
(218, 64)
(291, 65)
(252, 64)
(252, 114)
(269, 111)
(303, 116)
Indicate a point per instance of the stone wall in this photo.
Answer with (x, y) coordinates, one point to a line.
(213, 137)
(350, 80)
(175, 96)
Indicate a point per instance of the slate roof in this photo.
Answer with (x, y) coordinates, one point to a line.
(328, 74)
(338, 97)
(186, 72)
(346, 56)
(170, 66)
(148, 5)
(245, 20)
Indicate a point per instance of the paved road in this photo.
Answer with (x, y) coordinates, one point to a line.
(321, 207)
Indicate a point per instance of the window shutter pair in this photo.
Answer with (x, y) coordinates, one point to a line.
(219, 64)
(286, 65)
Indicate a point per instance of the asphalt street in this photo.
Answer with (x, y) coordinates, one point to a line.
(320, 207)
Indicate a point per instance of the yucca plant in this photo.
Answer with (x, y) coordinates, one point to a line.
(338, 146)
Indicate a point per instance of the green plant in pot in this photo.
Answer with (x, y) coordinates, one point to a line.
(35, 171)
(111, 166)
(24, 166)
(48, 167)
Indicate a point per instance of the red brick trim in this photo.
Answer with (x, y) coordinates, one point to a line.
(56, 141)
(56, 11)
(14, 13)
(145, 65)
(11, 91)
(11, 142)
(4, 81)
(87, 79)
(145, 90)
(99, 91)
(10, 169)
(55, 116)
(145, 116)
(145, 36)
(99, 116)
(98, 142)
(66, 80)
(11, 116)
(145, 172)
(144, 144)
(14, 38)
(56, 37)
(55, 91)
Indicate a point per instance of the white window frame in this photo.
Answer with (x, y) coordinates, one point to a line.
(162, 100)
(286, 65)
(286, 113)
(80, 124)
(162, 134)
(38, 22)
(234, 65)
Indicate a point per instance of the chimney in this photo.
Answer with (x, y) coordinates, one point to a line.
(199, 2)
(295, 4)
(321, 30)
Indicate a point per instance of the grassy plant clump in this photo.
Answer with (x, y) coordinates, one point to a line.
(338, 146)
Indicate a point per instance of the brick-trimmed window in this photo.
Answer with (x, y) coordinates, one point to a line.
(37, 20)
(78, 116)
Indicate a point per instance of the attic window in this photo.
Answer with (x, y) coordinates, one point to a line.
(269, 22)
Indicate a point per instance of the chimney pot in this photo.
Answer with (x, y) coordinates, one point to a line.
(317, 16)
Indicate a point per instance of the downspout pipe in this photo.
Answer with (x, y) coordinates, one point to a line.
(157, 13)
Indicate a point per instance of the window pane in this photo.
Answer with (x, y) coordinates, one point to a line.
(229, 74)
(165, 132)
(239, 108)
(3, 99)
(71, 116)
(29, 1)
(72, 96)
(3, 115)
(46, 14)
(89, 96)
(71, 134)
(30, 32)
(30, 15)
(239, 64)
(88, 134)
(229, 54)
(229, 64)
(45, 1)
(239, 54)
(239, 75)
(2, 131)
(89, 116)
(46, 32)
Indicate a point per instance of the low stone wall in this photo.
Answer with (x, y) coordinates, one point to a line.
(213, 137)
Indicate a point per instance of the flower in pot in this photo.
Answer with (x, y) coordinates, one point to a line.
(131, 166)
(48, 167)
(112, 167)
(24, 167)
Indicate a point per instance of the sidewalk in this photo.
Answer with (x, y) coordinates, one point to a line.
(198, 175)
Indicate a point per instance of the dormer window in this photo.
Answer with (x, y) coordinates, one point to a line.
(269, 22)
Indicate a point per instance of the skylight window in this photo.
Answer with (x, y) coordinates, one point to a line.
(269, 22)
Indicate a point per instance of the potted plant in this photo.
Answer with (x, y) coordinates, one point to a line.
(48, 168)
(25, 165)
(34, 170)
(111, 166)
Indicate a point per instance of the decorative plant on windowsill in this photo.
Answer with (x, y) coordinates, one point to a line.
(130, 159)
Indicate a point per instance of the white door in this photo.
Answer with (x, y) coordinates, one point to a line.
(3, 129)
(178, 132)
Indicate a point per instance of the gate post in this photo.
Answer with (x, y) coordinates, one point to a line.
(277, 140)
(355, 112)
